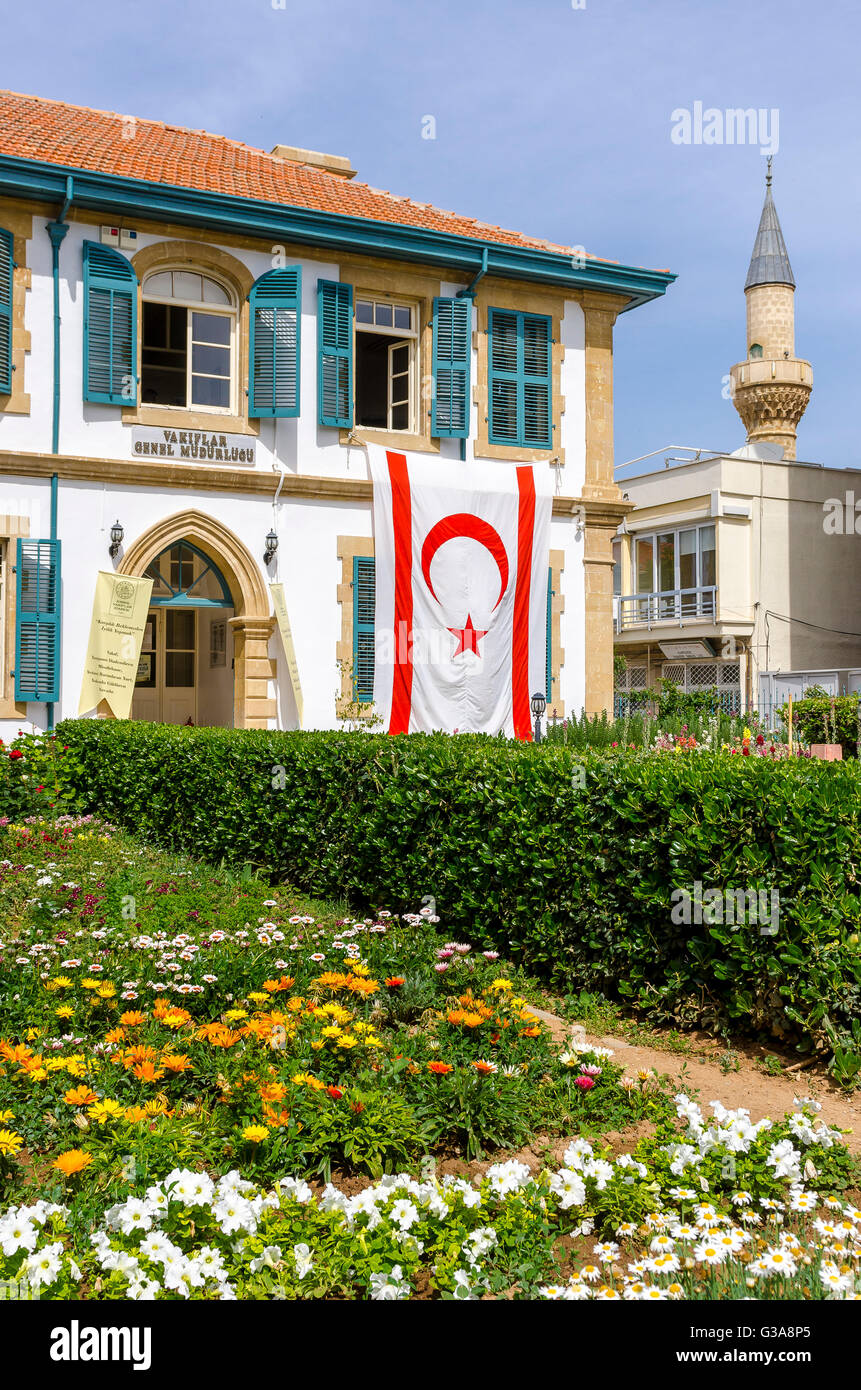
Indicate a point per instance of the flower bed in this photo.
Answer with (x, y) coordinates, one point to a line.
(227, 1063)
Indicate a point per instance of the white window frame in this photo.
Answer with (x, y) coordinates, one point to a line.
(4, 580)
(675, 532)
(192, 306)
(398, 335)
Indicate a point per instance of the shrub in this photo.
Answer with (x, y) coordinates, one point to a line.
(827, 719)
(37, 773)
(572, 865)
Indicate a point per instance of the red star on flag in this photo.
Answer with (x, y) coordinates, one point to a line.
(468, 637)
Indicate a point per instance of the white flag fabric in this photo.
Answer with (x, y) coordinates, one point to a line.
(461, 568)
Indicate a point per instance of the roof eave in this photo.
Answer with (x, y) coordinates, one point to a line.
(114, 195)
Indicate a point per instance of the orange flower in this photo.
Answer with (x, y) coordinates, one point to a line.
(358, 985)
(224, 1037)
(275, 986)
(531, 1032)
(73, 1161)
(395, 981)
(133, 1019)
(139, 1053)
(81, 1095)
(273, 1090)
(440, 1068)
(136, 1113)
(147, 1071)
(116, 1035)
(176, 1062)
(486, 1068)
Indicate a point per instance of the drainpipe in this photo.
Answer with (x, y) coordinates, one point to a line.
(57, 231)
(469, 293)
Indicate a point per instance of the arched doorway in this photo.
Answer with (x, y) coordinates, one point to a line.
(217, 579)
(185, 674)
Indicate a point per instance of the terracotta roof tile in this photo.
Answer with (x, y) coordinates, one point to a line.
(81, 138)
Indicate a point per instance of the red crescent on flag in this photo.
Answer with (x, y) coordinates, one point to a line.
(465, 524)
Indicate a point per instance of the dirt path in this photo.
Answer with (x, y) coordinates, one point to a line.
(749, 1087)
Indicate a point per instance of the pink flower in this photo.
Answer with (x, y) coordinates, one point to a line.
(440, 968)
(584, 1082)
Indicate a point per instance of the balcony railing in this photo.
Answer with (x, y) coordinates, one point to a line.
(667, 606)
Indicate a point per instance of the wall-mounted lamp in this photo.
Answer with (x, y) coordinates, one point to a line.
(271, 547)
(117, 534)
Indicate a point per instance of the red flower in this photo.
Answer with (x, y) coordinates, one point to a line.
(396, 981)
(760, 740)
(357, 1107)
(746, 750)
(584, 1082)
(335, 1092)
(16, 753)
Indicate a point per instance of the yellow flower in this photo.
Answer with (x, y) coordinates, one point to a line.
(255, 1134)
(65, 1011)
(233, 1015)
(105, 1110)
(747, 734)
(347, 1040)
(6, 1116)
(90, 983)
(501, 985)
(32, 1033)
(106, 990)
(258, 998)
(333, 1031)
(60, 982)
(10, 1142)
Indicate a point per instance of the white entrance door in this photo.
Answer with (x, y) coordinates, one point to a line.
(166, 689)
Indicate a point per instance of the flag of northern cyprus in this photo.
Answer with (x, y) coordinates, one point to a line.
(460, 629)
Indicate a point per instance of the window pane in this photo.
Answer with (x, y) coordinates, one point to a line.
(213, 293)
(401, 416)
(364, 311)
(400, 359)
(160, 283)
(163, 355)
(403, 317)
(210, 390)
(180, 628)
(213, 360)
(187, 285)
(384, 315)
(617, 567)
(644, 567)
(210, 328)
(666, 562)
(179, 669)
(687, 559)
(707, 556)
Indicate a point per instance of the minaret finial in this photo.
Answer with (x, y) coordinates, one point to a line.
(768, 174)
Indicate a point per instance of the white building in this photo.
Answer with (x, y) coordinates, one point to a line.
(197, 339)
(739, 571)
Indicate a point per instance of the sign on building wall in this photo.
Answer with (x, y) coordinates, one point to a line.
(112, 663)
(280, 604)
(194, 446)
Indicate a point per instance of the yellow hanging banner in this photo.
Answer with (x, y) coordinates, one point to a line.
(280, 604)
(120, 610)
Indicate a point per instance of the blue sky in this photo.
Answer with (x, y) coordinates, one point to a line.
(552, 120)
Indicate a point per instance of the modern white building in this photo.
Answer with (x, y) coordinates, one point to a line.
(197, 341)
(738, 571)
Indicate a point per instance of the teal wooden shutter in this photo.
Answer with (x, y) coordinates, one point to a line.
(110, 326)
(276, 309)
(364, 602)
(549, 680)
(7, 265)
(452, 319)
(503, 377)
(520, 379)
(335, 353)
(536, 423)
(37, 634)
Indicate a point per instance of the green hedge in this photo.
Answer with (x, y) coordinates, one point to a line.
(565, 862)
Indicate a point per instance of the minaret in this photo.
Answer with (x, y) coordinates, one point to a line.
(770, 390)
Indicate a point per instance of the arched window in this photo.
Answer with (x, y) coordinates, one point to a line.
(755, 351)
(189, 341)
(183, 577)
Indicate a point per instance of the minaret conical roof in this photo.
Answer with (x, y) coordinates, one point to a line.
(769, 263)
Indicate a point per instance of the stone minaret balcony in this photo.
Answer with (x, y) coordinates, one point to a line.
(770, 390)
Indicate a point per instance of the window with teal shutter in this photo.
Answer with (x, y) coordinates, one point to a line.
(7, 265)
(37, 635)
(364, 602)
(520, 380)
(549, 667)
(110, 326)
(335, 353)
(276, 307)
(452, 319)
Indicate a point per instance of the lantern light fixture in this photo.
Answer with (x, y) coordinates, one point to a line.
(117, 534)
